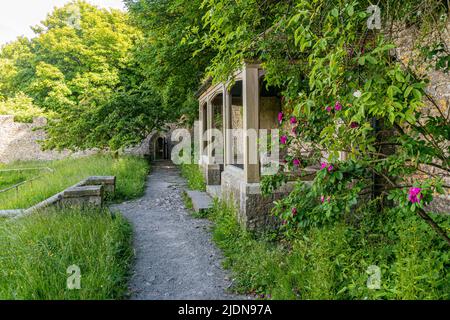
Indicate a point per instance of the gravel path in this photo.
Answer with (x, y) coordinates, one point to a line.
(175, 257)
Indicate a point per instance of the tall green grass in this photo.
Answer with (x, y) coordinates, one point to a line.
(10, 178)
(35, 252)
(130, 172)
(332, 262)
(193, 176)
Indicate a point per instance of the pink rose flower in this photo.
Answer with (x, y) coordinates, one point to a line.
(294, 211)
(283, 139)
(414, 195)
(338, 106)
(296, 162)
(330, 167)
(293, 120)
(322, 199)
(323, 165)
(354, 125)
(328, 109)
(280, 117)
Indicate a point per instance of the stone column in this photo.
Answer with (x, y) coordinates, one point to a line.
(200, 131)
(226, 126)
(251, 122)
(209, 126)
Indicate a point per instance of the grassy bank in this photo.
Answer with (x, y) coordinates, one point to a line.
(130, 173)
(36, 251)
(193, 176)
(335, 261)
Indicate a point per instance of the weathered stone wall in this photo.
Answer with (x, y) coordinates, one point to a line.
(254, 210)
(20, 141)
(408, 47)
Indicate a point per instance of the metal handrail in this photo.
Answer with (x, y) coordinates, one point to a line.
(17, 185)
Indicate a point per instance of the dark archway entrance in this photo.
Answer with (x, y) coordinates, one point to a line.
(161, 149)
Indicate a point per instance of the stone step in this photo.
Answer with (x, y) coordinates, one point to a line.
(201, 201)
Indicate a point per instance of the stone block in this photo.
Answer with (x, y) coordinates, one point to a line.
(83, 195)
(108, 183)
(201, 201)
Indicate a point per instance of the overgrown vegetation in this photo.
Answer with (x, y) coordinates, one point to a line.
(334, 261)
(36, 252)
(11, 178)
(193, 176)
(129, 171)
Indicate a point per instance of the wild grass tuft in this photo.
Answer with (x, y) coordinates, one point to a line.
(36, 250)
(193, 176)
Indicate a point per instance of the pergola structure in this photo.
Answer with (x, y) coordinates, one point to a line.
(233, 168)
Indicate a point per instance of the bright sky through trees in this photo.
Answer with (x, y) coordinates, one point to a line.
(17, 16)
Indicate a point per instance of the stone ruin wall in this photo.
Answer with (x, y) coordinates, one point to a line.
(20, 141)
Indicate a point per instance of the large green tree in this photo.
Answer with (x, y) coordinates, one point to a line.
(172, 30)
(80, 69)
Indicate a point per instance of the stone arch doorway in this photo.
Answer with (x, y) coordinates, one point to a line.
(159, 146)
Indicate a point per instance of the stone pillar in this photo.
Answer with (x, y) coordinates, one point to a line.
(212, 170)
(209, 127)
(200, 130)
(251, 123)
(227, 126)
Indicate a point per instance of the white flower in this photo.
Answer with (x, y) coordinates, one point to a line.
(357, 94)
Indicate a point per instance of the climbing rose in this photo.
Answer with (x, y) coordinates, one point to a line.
(294, 132)
(296, 162)
(323, 165)
(330, 167)
(280, 117)
(413, 193)
(354, 125)
(294, 211)
(338, 106)
(328, 109)
(283, 139)
(293, 120)
(322, 199)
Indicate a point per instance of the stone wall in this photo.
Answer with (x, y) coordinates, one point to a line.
(254, 210)
(20, 141)
(408, 46)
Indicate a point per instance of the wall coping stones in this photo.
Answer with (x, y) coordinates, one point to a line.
(83, 191)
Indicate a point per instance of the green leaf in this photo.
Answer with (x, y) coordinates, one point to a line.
(399, 76)
(350, 10)
(335, 12)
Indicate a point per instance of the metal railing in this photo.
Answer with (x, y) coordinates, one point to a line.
(17, 185)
